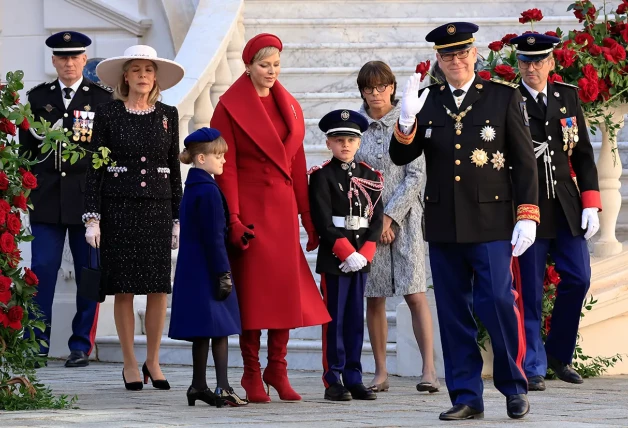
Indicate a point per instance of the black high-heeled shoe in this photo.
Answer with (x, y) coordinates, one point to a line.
(230, 397)
(159, 384)
(205, 395)
(131, 386)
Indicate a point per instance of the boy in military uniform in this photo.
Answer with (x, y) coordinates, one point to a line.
(569, 211)
(472, 132)
(68, 103)
(348, 216)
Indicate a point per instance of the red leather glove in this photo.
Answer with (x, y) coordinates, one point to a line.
(312, 235)
(240, 235)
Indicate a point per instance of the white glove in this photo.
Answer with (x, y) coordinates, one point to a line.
(92, 234)
(175, 236)
(523, 236)
(411, 104)
(590, 222)
(355, 261)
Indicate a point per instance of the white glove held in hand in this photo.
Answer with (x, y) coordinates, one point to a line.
(92, 234)
(175, 236)
(411, 104)
(356, 261)
(523, 236)
(590, 222)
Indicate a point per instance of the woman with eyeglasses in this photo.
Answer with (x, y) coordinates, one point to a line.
(398, 267)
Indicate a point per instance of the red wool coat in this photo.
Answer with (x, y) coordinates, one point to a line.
(265, 184)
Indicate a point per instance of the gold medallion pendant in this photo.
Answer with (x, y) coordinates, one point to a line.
(479, 157)
(498, 160)
(458, 118)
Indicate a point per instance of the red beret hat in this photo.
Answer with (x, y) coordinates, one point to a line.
(258, 42)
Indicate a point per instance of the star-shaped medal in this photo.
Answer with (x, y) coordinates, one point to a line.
(498, 160)
(479, 157)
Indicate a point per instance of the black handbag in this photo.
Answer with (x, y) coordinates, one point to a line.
(93, 284)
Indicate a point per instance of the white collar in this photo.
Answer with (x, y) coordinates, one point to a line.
(465, 87)
(74, 87)
(534, 92)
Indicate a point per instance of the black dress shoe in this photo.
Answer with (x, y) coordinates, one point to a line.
(536, 383)
(461, 412)
(337, 392)
(564, 372)
(206, 395)
(517, 406)
(77, 359)
(361, 392)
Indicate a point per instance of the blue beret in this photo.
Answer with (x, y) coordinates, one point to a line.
(343, 122)
(68, 43)
(533, 46)
(453, 36)
(202, 135)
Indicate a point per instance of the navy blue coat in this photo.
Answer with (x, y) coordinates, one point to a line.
(202, 257)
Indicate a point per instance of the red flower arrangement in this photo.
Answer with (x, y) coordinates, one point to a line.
(423, 68)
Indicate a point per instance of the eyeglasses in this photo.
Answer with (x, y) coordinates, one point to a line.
(448, 57)
(380, 88)
(537, 65)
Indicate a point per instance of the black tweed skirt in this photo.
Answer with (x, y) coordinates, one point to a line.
(135, 245)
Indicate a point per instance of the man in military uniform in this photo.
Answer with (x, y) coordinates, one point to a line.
(68, 103)
(568, 211)
(348, 215)
(473, 132)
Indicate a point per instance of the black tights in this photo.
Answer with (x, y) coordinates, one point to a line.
(200, 352)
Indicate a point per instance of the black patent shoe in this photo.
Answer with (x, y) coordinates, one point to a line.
(361, 392)
(131, 386)
(461, 412)
(517, 406)
(536, 383)
(337, 392)
(77, 359)
(230, 398)
(159, 384)
(205, 395)
(564, 372)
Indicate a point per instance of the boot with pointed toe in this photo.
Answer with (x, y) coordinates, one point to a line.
(276, 372)
(252, 376)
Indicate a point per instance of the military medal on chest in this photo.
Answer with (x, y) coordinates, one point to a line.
(569, 127)
(76, 126)
(458, 118)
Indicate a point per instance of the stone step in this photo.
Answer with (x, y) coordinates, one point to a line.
(302, 354)
(378, 30)
(456, 10)
(317, 104)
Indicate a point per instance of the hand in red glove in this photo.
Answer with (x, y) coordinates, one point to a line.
(240, 235)
(312, 235)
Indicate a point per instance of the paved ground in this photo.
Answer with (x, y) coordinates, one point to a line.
(103, 402)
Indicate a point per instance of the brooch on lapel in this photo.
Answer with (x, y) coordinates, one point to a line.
(52, 88)
(563, 110)
(87, 108)
(165, 122)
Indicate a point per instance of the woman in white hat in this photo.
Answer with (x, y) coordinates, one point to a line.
(132, 209)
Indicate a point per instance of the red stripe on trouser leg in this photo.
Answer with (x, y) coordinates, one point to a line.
(92, 331)
(515, 271)
(325, 364)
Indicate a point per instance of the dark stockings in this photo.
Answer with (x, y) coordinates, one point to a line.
(200, 352)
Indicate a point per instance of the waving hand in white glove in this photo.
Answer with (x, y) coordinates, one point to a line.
(411, 104)
(523, 236)
(590, 222)
(92, 233)
(353, 263)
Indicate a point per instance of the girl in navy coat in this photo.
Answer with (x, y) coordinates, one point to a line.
(204, 302)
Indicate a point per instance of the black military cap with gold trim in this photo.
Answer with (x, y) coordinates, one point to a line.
(453, 36)
(68, 43)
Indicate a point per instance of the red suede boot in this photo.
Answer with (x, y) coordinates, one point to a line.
(276, 372)
(251, 378)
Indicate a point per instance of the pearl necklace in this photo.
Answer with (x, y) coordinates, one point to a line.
(140, 112)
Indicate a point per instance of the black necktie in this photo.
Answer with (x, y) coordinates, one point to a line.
(458, 93)
(68, 93)
(540, 98)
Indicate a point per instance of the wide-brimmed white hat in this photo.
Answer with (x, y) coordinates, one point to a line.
(169, 73)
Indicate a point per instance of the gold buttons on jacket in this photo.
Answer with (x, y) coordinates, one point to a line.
(457, 178)
(458, 146)
(496, 197)
(457, 162)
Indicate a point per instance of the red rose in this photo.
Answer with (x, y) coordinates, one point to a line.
(28, 180)
(485, 74)
(584, 39)
(531, 15)
(588, 90)
(608, 56)
(595, 50)
(29, 277)
(566, 57)
(508, 37)
(551, 33)
(496, 46)
(609, 42)
(603, 89)
(552, 276)
(5, 289)
(7, 126)
(13, 259)
(622, 9)
(19, 201)
(4, 181)
(590, 11)
(506, 72)
(14, 224)
(590, 72)
(15, 315)
(24, 126)
(423, 68)
(618, 52)
(554, 78)
(7, 243)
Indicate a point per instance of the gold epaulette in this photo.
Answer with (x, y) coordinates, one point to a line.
(317, 167)
(504, 82)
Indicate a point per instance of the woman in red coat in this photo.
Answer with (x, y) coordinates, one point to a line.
(265, 184)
